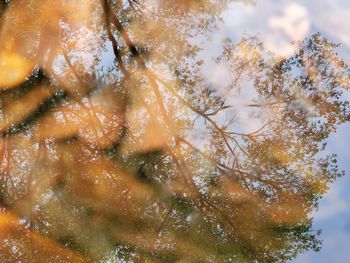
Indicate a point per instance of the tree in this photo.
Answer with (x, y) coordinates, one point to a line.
(139, 158)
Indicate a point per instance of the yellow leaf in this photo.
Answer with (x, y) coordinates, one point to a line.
(13, 69)
(16, 111)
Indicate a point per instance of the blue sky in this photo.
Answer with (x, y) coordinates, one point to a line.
(277, 23)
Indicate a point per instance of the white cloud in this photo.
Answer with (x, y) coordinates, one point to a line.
(294, 22)
(292, 25)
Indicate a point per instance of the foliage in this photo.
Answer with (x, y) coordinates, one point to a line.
(116, 147)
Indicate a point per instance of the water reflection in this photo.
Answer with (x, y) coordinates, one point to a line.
(115, 147)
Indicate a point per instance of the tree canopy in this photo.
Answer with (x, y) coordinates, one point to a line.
(116, 147)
